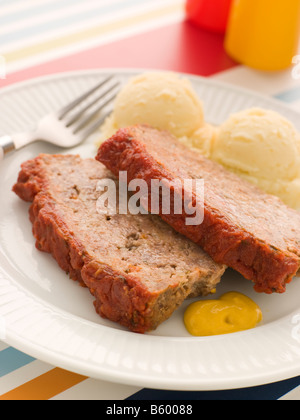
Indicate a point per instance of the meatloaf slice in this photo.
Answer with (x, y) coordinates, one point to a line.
(244, 228)
(137, 267)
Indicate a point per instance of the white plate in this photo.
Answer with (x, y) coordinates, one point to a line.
(52, 318)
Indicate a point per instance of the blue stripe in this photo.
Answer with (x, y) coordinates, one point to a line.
(12, 359)
(270, 392)
(289, 96)
(62, 22)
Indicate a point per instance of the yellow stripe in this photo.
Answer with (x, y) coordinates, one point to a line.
(44, 387)
(89, 33)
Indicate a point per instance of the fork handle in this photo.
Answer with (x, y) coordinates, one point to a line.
(7, 146)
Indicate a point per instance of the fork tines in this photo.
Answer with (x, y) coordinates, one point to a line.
(89, 105)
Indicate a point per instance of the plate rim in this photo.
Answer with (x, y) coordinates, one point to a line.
(85, 368)
(128, 70)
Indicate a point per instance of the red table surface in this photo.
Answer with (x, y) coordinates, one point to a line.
(181, 47)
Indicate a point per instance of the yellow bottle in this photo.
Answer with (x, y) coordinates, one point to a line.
(264, 34)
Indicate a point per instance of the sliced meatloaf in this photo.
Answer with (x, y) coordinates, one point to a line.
(244, 228)
(137, 267)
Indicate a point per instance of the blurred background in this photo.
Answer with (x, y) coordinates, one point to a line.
(203, 37)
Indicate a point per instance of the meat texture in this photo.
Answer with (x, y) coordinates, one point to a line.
(244, 228)
(138, 268)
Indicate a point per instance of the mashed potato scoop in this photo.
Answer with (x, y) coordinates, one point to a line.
(264, 148)
(162, 100)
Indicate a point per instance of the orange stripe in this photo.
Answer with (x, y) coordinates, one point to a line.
(45, 386)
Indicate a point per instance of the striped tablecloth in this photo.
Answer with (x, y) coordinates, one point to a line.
(40, 37)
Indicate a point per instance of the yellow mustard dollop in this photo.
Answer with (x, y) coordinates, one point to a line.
(233, 312)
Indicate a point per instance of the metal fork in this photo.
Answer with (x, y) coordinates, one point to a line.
(69, 126)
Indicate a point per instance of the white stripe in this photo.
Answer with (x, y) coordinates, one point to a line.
(295, 105)
(22, 375)
(263, 82)
(91, 43)
(3, 346)
(266, 83)
(81, 26)
(12, 6)
(64, 11)
(94, 42)
(95, 390)
(292, 396)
